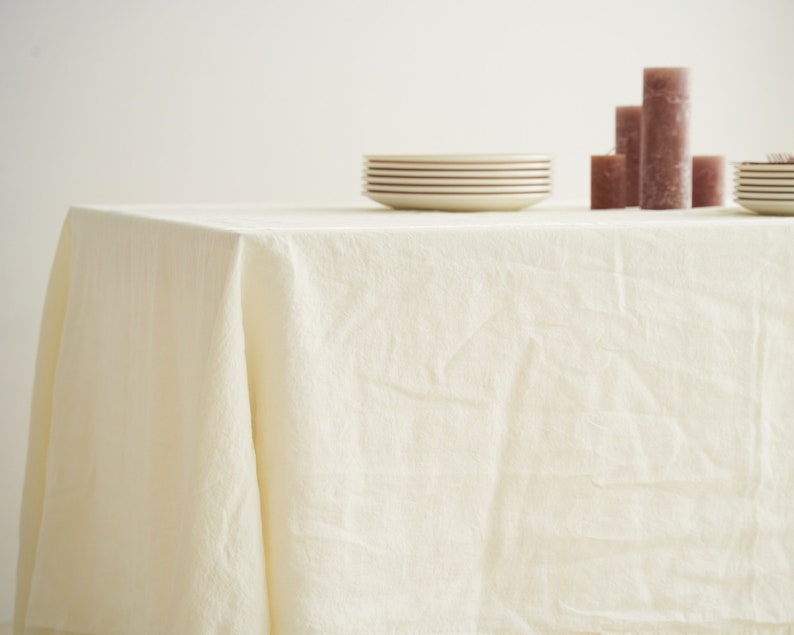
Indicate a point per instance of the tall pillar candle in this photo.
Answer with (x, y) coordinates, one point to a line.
(628, 134)
(608, 181)
(666, 161)
(708, 181)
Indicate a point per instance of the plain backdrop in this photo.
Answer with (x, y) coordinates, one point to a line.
(276, 100)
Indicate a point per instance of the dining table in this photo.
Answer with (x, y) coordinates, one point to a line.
(351, 420)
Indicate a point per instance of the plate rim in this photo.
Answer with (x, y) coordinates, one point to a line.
(456, 182)
(765, 167)
(453, 167)
(764, 181)
(766, 201)
(486, 157)
(454, 174)
(464, 186)
(475, 193)
(761, 190)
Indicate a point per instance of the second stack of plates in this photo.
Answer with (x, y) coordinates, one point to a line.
(765, 188)
(458, 182)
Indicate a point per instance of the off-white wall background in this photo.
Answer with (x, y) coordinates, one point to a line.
(275, 100)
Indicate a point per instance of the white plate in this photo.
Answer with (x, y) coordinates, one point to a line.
(775, 208)
(765, 167)
(383, 180)
(461, 203)
(463, 189)
(455, 174)
(759, 189)
(461, 166)
(765, 196)
(740, 180)
(457, 158)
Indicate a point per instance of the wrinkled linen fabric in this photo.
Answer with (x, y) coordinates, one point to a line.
(357, 421)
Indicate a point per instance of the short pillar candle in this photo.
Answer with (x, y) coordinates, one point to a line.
(708, 181)
(628, 135)
(666, 161)
(608, 181)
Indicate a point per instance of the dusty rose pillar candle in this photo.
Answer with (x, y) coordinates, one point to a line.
(628, 133)
(608, 181)
(666, 162)
(708, 181)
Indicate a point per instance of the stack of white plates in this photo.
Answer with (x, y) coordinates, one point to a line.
(765, 188)
(458, 182)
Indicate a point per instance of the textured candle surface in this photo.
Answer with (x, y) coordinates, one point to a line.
(708, 181)
(666, 161)
(608, 181)
(628, 135)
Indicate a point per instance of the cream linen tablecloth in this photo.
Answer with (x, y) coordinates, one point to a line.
(348, 421)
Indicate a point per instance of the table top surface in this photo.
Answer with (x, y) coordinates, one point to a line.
(244, 218)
